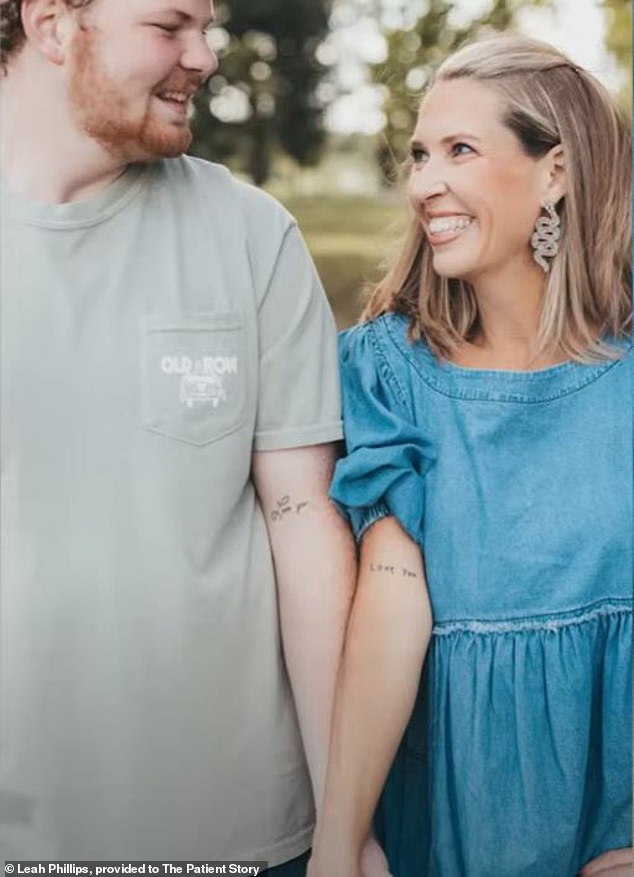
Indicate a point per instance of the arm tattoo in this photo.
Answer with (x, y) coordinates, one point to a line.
(285, 507)
(393, 570)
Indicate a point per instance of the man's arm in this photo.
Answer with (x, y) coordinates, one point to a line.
(388, 635)
(314, 557)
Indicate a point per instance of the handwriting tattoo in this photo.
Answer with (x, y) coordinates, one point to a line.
(393, 570)
(285, 507)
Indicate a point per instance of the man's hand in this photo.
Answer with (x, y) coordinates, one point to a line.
(373, 860)
(615, 863)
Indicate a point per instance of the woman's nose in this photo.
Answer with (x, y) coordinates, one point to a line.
(427, 181)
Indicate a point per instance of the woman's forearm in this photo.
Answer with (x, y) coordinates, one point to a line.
(386, 642)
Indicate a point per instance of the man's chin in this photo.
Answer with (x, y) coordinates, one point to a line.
(168, 141)
(152, 146)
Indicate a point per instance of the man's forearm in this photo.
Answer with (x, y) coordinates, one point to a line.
(315, 589)
(315, 570)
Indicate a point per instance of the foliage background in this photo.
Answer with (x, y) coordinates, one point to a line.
(265, 112)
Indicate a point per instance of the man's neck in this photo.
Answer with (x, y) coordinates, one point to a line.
(44, 156)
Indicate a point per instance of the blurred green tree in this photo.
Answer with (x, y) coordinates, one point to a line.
(619, 41)
(619, 30)
(265, 95)
(412, 54)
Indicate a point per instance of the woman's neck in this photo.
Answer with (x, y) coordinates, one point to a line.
(509, 305)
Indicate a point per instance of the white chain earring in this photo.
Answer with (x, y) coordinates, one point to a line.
(545, 238)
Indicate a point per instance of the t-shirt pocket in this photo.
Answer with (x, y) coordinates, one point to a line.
(194, 376)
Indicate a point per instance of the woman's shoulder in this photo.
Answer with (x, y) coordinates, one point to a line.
(384, 337)
(378, 357)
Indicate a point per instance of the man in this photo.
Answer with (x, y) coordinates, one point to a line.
(169, 408)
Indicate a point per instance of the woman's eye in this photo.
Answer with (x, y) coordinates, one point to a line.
(417, 154)
(167, 28)
(461, 149)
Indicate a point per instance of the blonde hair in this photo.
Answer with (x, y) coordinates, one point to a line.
(549, 101)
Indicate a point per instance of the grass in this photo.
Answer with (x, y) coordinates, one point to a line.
(348, 238)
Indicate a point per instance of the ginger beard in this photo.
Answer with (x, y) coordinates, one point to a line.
(103, 111)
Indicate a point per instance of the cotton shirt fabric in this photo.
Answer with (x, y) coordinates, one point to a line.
(153, 337)
(517, 486)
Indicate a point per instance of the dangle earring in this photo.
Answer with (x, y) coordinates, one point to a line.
(545, 238)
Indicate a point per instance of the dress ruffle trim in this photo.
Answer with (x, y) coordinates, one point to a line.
(552, 623)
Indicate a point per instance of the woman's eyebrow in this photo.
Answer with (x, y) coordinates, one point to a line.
(461, 135)
(417, 143)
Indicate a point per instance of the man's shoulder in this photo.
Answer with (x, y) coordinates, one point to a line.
(187, 171)
(263, 214)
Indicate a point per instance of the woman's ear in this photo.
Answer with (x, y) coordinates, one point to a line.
(48, 25)
(554, 175)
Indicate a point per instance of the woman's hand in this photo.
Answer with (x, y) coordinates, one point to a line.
(370, 862)
(324, 863)
(373, 860)
(614, 863)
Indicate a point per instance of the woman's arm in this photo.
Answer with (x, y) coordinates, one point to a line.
(615, 863)
(387, 638)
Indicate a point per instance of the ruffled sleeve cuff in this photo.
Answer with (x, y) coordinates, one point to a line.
(361, 519)
(387, 456)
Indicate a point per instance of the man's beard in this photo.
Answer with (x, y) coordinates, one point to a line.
(102, 109)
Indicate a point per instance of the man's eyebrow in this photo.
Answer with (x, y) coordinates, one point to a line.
(186, 17)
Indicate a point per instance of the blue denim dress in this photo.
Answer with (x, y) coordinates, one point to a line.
(518, 487)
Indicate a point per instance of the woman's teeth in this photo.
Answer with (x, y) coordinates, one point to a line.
(442, 224)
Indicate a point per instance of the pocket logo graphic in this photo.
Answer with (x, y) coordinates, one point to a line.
(201, 380)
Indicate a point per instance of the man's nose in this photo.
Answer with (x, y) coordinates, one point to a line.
(197, 55)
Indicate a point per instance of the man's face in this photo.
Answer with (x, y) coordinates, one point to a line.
(133, 68)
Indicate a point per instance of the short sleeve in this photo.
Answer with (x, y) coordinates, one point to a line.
(298, 391)
(387, 456)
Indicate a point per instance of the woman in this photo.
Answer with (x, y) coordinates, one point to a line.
(488, 411)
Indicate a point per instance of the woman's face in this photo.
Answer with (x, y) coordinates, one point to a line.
(475, 190)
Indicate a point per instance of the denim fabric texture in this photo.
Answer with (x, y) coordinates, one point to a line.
(518, 487)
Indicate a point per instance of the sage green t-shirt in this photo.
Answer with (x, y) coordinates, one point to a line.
(152, 337)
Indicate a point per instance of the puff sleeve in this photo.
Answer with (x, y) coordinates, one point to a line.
(387, 456)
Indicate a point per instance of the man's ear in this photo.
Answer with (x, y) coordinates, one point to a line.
(48, 25)
(554, 175)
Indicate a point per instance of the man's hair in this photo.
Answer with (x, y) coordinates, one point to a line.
(548, 101)
(12, 34)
